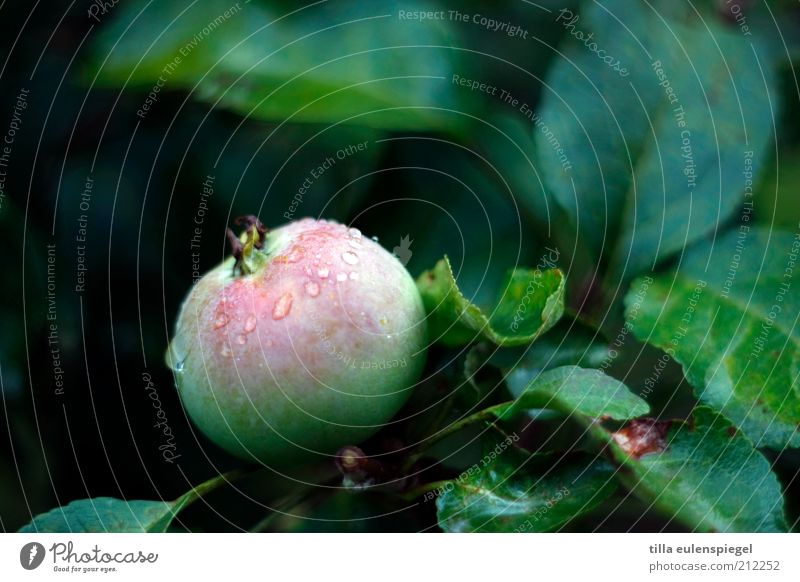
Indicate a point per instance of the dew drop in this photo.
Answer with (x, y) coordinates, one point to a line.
(353, 276)
(349, 258)
(312, 288)
(341, 277)
(221, 320)
(282, 306)
(375, 239)
(354, 232)
(175, 358)
(354, 244)
(241, 339)
(295, 255)
(250, 323)
(323, 273)
(225, 352)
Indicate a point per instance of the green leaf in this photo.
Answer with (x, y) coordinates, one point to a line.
(516, 493)
(729, 316)
(530, 303)
(704, 473)
(573, 390)
(104, 514)
(569, 343)
(643, 172)
(108, 514)
(461, 207)
(322, 63)
(775, 199)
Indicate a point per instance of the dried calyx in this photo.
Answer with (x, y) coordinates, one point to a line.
(245, 246)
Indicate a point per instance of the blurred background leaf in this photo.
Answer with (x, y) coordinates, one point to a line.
(260, 103)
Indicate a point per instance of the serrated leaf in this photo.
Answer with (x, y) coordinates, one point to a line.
(530, 303)
(704, 473)
(573, 390)
(656, 133)
(713, 317)
(569, 343)
(108, 514)
(516, 492)
(104, 514)
(321, 63)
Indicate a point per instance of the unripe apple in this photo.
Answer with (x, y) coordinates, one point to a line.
(309, 338)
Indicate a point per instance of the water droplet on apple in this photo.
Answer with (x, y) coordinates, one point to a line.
(354, 232)
(241, 339)
(341, 277)
(221, 320)
(295, 254)
(225, 352)
(282, 306)
(349, 258)
(312, 288)
(323, 273)
(354, 244)
(353, 276)
(250, 323)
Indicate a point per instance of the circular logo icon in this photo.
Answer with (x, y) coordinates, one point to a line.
(31, 555)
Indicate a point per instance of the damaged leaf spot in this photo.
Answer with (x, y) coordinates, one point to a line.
(642, 437)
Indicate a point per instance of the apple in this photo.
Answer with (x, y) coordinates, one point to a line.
(311, 337)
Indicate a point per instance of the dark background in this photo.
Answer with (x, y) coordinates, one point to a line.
(97, 438)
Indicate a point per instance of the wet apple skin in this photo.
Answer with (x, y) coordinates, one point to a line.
(317, 349)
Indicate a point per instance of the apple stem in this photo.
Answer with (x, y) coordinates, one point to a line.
(246, 248)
